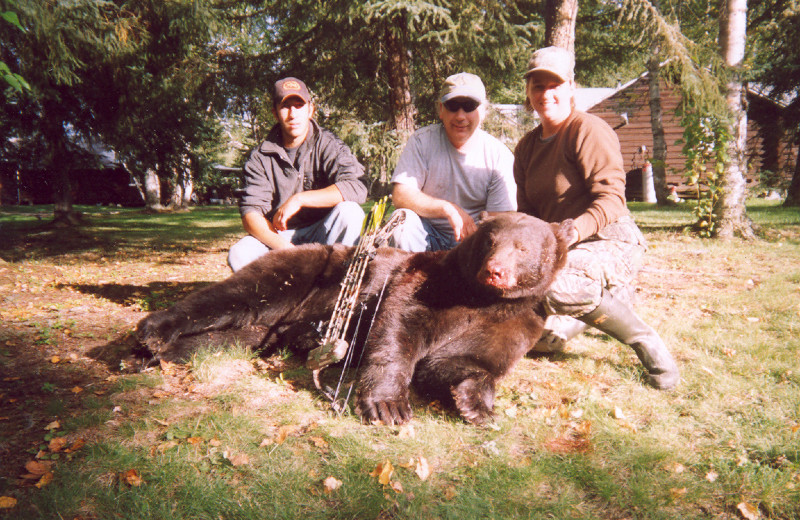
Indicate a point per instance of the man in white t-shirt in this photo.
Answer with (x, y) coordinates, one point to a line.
(451, 171)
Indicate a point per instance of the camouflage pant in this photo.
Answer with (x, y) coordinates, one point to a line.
(609, 260)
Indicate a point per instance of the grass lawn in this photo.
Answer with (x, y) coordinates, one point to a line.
(230, 435)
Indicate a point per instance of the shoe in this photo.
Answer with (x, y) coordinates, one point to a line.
(618, 320)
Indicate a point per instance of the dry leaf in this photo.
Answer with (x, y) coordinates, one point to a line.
(450, 493)
(319, 442)
(240, 459)
(131, 477)
(422, 470)
(78, 444)
(397, 486)
(7, 502)
(678, 468)
(511, 411)
(266, 442)
(57, 444)
(618, 413)
(164, 446)
(407, 432)
(77, 389)
(677, 492)
(748, 511)
(37, 468)
(331, 484)
(712, 476)
(285, 431)
(46, 479)
(214, 442)
(53, 426)
(383, 472)
(194, 441)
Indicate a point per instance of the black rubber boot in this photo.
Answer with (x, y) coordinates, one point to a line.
(618, 320)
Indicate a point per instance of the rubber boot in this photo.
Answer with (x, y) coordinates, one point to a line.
(558, 330)
(618, 320)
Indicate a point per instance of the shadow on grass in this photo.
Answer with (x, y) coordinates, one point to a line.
(129, 232)
(150, 297)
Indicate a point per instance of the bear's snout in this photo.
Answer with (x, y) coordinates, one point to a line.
(496, 273)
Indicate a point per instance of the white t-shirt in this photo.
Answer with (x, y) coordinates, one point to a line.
(478, 179)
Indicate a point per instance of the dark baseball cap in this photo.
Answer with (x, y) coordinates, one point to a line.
(287, 87)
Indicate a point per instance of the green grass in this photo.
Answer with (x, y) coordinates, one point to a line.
(578, 436)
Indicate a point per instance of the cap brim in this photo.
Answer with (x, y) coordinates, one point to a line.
(547, 72)
(453, 95)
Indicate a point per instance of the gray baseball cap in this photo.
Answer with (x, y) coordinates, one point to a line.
(556, 61)
(465, 85)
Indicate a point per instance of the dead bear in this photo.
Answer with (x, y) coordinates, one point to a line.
(450, 322)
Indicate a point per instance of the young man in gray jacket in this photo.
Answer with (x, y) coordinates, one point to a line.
(302, 184)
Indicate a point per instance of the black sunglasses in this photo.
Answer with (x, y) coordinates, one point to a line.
(467, 105)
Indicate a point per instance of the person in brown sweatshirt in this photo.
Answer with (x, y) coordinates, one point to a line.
(570, 167)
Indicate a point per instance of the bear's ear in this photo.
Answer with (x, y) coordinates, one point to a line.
(483, 217)
(564, 230)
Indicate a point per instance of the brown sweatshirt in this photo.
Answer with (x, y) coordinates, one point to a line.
(577, 173)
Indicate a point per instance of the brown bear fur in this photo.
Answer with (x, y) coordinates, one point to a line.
(451, 322)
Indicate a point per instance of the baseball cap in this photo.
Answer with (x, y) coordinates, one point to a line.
(556, 61)
(465, 85)
(290, 87)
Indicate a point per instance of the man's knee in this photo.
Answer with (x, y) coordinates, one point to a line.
(410, 235)
(245, 251)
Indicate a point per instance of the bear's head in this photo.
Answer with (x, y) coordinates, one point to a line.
(513, 255)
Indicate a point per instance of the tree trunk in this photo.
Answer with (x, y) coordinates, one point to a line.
(793, 194)
(659, 159)
(559, 23)
(403, 110)
(152, 190)
(730, 208)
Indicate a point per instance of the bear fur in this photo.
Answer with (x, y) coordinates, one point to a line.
(449, 322)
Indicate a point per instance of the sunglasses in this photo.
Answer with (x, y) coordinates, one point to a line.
(467, 105)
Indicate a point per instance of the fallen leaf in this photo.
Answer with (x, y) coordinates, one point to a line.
(53, 426)
(677, 492)
(383, 472)
(131, 477)
(618, 413)
(194, 441)
(511, 411)
(55, 359)
(7, 502)
(450, 493)
(266, 442)
(77, 389)
(748, 511)
(331, 484)
(422, 470)
(57, 444)
(37, 468)
(164, 446)
(678, 468)
(712, 476)
(214, 442)
(46, 479)
(396, 486)
(285, 431)
(240, 459)
(319, 442)
(407, 431)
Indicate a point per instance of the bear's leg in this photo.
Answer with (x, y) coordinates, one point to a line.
(470, 384)
(383, 390)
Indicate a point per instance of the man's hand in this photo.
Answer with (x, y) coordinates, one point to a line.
(287, 210)
(463, 225)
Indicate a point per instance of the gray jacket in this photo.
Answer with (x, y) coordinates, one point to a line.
(322, 160)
